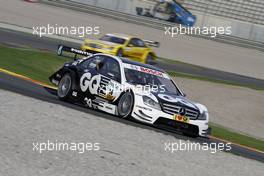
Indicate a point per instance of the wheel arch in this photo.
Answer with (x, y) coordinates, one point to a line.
(122, 93)
(73, 75)
(154, 56)
(119, 48)
(129, 115)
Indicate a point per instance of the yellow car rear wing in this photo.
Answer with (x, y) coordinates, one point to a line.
(152, 43)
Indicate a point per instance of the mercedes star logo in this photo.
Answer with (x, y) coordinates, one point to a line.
(182, 111)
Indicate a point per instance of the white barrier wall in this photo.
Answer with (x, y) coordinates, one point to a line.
(239, 28)
(125, 6)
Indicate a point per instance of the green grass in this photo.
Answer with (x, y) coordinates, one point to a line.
(39, 65)
(223, 133)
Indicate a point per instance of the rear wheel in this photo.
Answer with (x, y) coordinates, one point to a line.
(125, 105)
(65, 86)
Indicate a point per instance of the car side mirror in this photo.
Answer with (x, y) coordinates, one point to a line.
(130, 45)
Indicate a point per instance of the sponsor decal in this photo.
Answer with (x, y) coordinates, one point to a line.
(74, 93)
(181, 118)
(91, 83)
(88, 102)
(73, 50)
(109, 97)
(85, 80)
(150, 71)
(98, 85)
(146, 70)
(175, 99)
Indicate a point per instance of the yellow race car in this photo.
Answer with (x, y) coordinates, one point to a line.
(123, 46)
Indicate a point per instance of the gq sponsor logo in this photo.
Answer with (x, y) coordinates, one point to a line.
(89, 82)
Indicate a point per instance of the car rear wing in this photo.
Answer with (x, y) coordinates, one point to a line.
(75, 51)
(152, 43)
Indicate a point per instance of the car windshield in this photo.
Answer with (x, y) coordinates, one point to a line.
(113, 39)
(146, 79)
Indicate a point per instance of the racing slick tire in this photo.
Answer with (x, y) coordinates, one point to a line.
(65, 87)
(125, 105)
(119, 52)
(149, 59)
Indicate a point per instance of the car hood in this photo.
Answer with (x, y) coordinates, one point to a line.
(167, 98)
(175, 100)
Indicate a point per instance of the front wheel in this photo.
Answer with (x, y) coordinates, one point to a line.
(149, 59)
(125, 105)
(65, 86)
(119, 53)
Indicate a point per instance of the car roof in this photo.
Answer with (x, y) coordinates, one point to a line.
(125, 36)
(128, 61)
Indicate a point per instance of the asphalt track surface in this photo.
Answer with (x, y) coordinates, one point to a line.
(26, 88)
(14, 38)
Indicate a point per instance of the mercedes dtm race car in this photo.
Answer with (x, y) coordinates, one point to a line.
(123, 46)
(129, 89)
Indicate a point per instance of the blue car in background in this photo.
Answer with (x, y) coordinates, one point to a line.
(169, 10)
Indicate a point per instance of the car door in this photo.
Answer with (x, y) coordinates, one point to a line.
(135, 48)
(89, 77)
(99, 75)
(110, 81)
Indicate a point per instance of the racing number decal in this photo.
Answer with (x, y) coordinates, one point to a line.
(88, 102)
